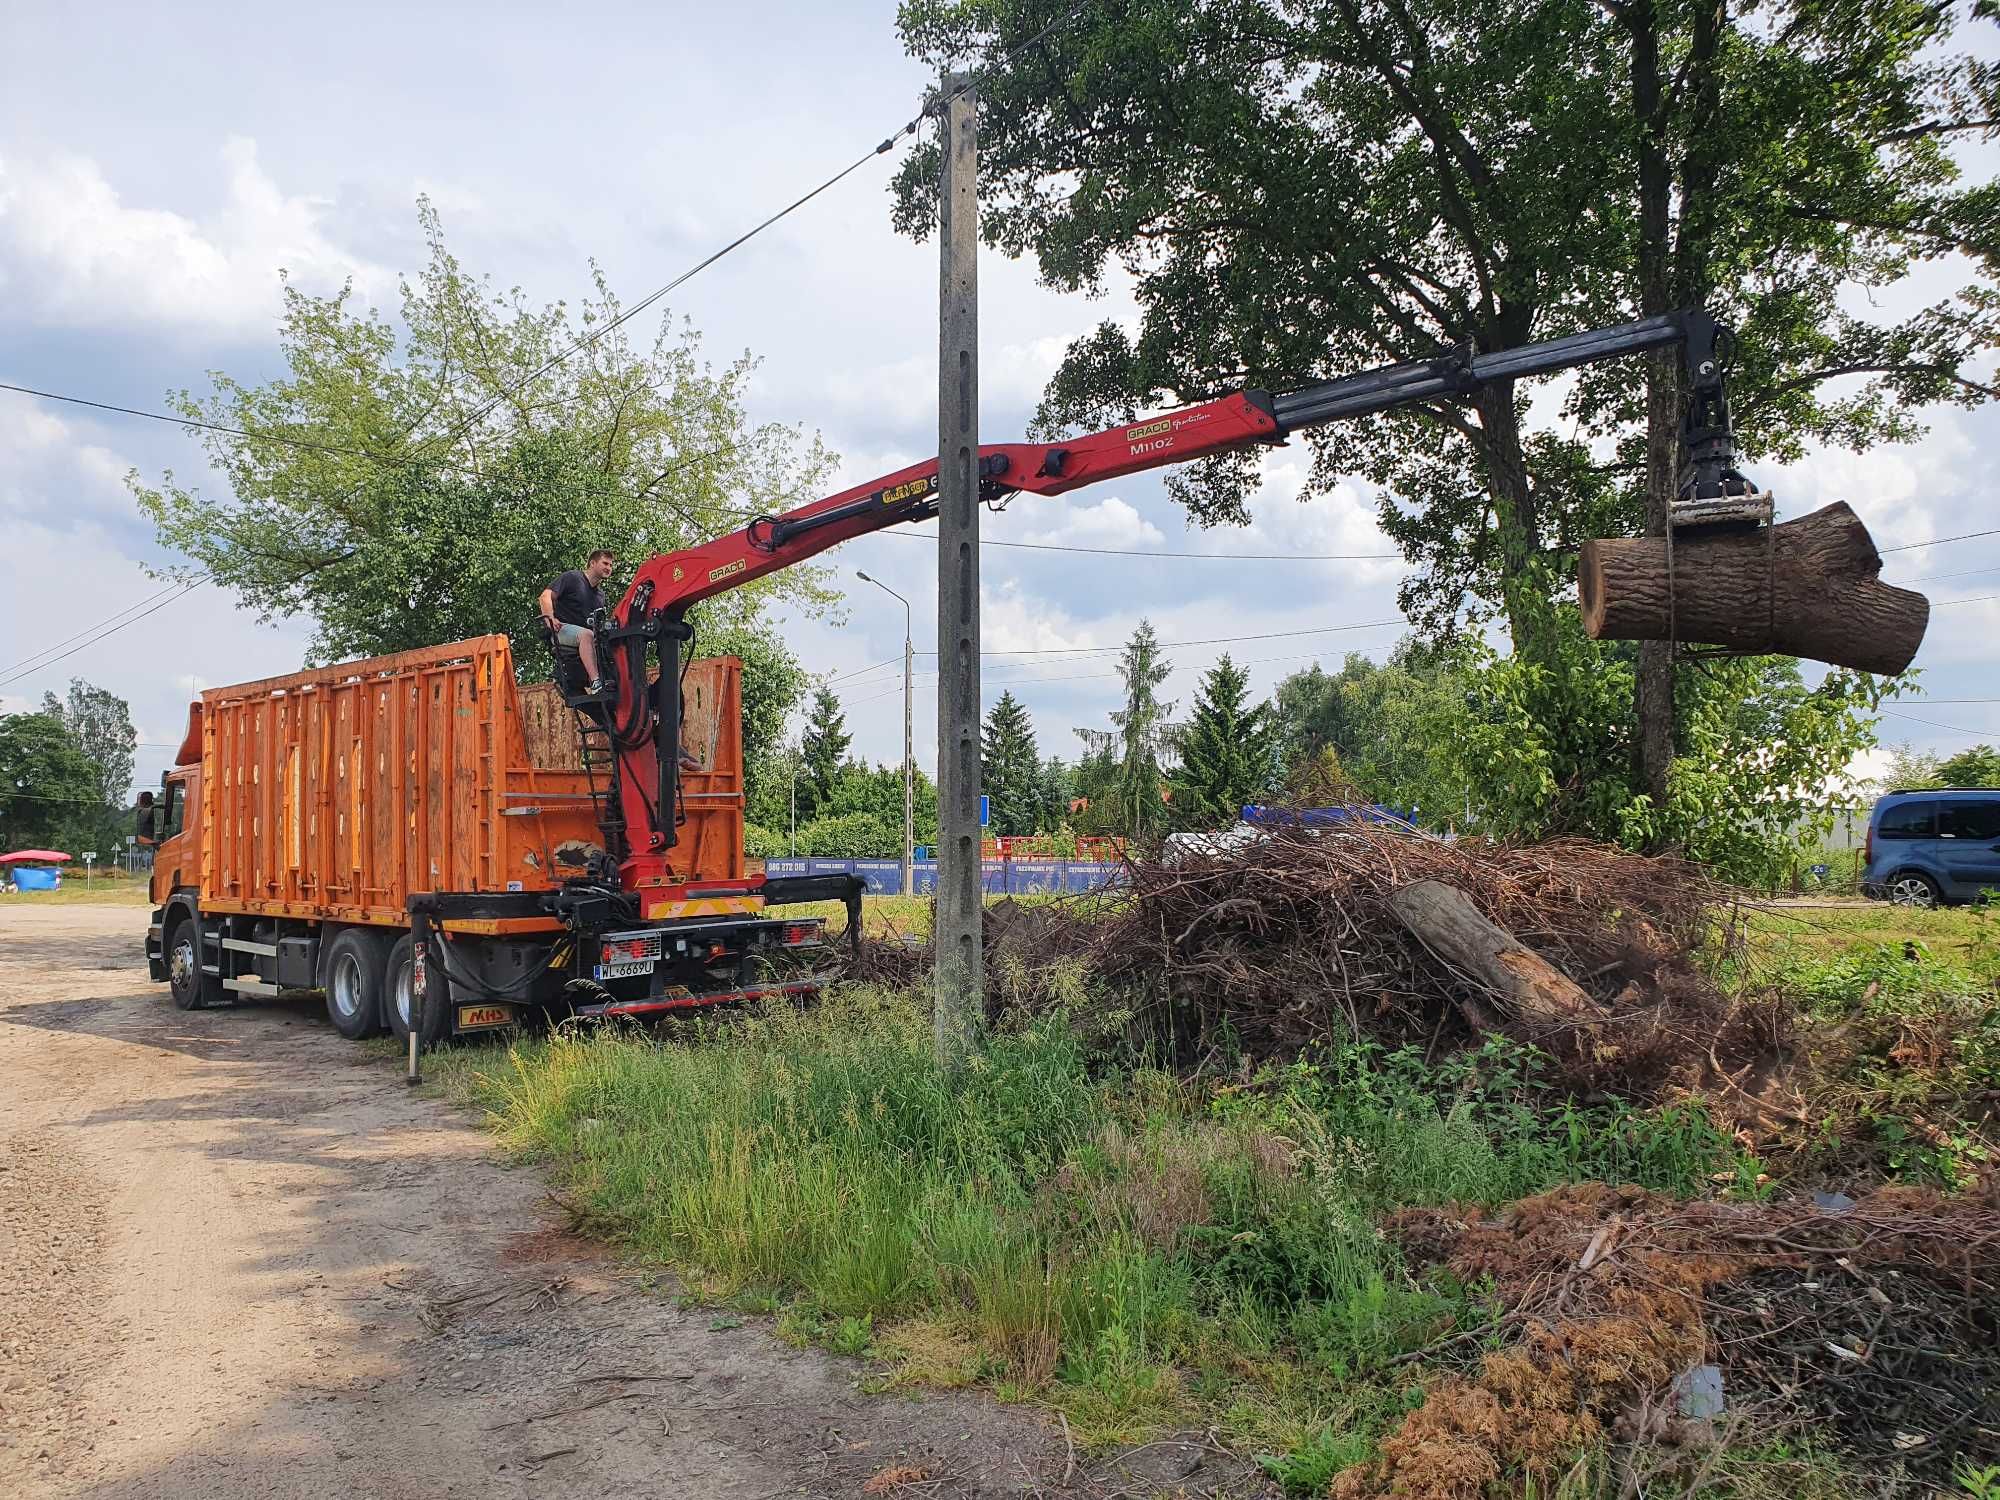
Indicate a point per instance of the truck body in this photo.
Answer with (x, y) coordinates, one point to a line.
(306, 811)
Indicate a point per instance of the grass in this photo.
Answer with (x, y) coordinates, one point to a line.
(1138, 1251)
(73, 893)
(1143, 1252)
(1968, 936)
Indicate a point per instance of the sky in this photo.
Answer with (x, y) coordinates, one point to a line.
(158, 165)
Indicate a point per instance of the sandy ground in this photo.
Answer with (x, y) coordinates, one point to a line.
(239, 1258)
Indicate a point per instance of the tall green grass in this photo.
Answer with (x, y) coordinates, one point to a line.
(1130, 1244)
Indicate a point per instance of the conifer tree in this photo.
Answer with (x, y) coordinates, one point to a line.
(1227, 755)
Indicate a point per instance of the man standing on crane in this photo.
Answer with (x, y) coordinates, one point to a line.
(568, 605)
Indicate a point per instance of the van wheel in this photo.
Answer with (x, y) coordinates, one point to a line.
(399, 997)
(191, 989)
(1913, 889)
(354, 983)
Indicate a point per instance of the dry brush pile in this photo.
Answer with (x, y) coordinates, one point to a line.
(1268, 947)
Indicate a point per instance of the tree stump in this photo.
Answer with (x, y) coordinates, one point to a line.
(1525, 985)
(1808, 589)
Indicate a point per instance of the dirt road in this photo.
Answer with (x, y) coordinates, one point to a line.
(239, 1259)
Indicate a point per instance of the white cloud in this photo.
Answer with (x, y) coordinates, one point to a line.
(74, 253)
(1110, 522)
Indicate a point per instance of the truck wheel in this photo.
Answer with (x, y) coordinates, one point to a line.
(192, 989)
(354, 983)
(398, 997)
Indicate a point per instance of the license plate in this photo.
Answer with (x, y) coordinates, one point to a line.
(625, 970)
(470, 1016)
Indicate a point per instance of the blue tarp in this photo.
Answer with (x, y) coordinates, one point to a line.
(33, 878)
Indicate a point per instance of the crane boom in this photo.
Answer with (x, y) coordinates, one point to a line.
(644, 722)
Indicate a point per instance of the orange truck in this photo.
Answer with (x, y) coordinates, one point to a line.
(311, 816)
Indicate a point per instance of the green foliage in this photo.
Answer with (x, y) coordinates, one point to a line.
(1053, 790)
(878, 791)
(1482, 176)
(1226, 752)
(1095, 782)
(1310, 1469)
(1547, 747)
(1381, 723)
(823, 750)
(49, 789)
(1977, 767)
(1010, 770)
(854, 835)
(764, 843)
(452, 530)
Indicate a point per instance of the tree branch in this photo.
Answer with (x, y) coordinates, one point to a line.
(1814, 377)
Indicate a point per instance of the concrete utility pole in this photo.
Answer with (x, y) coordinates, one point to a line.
(909, 762)
(961, 962)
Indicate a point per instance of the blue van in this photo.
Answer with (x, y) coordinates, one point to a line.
(1927, 848)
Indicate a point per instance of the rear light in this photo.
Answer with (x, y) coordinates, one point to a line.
(802, 934)
(1868, 845)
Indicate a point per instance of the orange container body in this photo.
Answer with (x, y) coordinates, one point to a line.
(336, 793)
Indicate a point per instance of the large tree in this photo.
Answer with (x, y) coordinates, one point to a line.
(1227, 755)
(447, 464)
(50, 790)
(100, 724)
(1010, 769)
(1296, 190)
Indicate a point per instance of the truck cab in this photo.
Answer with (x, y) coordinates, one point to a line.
(176, 861)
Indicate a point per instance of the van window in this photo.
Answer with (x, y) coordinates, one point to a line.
(1969, 820)
(1908, 820)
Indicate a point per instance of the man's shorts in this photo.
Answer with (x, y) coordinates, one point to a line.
(571, 637)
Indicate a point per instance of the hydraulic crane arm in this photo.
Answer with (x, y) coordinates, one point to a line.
(645, 724)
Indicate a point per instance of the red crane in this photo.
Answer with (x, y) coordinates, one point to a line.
(642, 721)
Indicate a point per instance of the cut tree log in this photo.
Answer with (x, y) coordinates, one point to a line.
(1524, 984)
(1809, 589)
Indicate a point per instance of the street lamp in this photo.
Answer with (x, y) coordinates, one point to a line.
(909, 763)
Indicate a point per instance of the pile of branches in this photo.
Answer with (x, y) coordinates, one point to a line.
(1870, 1324)
(1270, 945)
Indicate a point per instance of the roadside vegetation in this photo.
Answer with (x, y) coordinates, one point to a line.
(1144, 1250)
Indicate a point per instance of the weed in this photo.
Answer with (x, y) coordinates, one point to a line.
(1981, 1484)
(1309, 1469)
(852, 1336)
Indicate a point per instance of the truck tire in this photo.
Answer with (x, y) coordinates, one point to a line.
(191, 989)
(397, 998)
(354, 975)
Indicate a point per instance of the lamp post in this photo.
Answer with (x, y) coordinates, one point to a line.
(909, 764)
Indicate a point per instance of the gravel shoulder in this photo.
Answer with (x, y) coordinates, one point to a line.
(239, 1259)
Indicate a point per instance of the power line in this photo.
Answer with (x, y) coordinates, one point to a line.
(1977, 734)
(8, 681)
(315, 445)
(1912, 546)
(1975, 599)
(1935, 577)
(37, 656)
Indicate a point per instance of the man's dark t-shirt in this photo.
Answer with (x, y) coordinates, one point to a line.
(575, 599)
